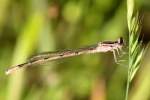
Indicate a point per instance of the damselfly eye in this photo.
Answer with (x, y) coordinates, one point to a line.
(120, 41)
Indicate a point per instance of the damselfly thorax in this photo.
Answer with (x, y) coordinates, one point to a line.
(106, 46)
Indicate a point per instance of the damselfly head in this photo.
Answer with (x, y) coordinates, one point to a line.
(121, 41)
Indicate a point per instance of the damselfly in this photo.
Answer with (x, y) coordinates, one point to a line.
(105, 46)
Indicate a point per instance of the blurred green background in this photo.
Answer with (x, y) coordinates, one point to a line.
(28, 27)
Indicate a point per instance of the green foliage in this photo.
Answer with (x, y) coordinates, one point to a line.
(28, 27)
(136, 50)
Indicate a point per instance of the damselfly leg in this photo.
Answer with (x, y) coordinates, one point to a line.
(115, 56)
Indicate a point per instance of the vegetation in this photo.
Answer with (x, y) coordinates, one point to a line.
(29, 27)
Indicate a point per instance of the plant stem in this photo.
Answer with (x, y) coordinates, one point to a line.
(127, 86)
